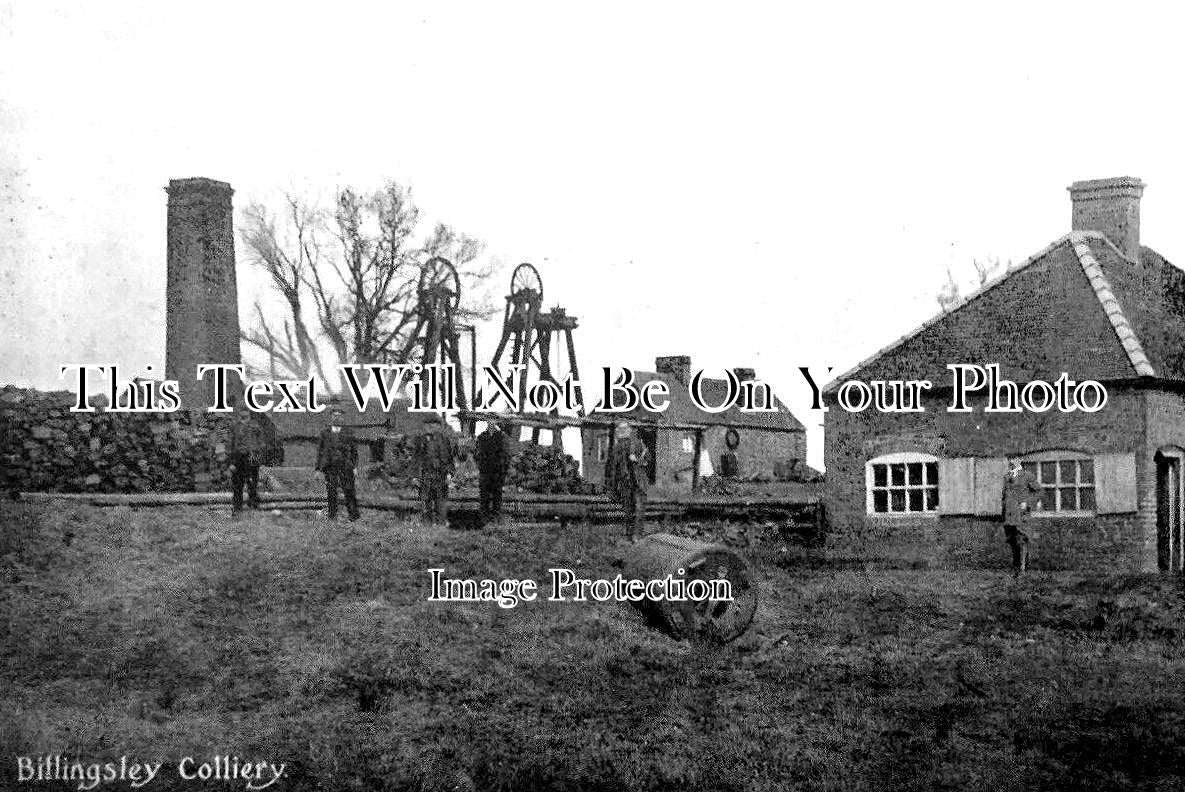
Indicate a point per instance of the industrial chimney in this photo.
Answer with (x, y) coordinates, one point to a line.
(201, 303)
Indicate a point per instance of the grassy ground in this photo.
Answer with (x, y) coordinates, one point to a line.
(166, 633)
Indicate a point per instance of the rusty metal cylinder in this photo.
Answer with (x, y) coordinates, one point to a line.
(659, 556)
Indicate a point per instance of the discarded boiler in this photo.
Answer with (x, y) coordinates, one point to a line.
(703, 568)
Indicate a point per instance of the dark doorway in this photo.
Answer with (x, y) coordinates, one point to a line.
(649, 438)
(378, 450)
(1170, 546)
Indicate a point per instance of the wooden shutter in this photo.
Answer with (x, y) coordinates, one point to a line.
(956, 486)
(1115, 483)
(989, 486)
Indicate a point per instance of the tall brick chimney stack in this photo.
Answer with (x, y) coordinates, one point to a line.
(677, 366)
(202, 305)
(1112, 207)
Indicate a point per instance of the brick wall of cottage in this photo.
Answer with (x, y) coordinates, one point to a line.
(1126, 541)
(1040, 321)
(674, 467)
(1165, 421)
(758, 451)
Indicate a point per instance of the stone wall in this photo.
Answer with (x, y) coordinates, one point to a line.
(46, 448)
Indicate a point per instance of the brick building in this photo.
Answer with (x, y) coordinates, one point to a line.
(1095, 304)
(686, 443)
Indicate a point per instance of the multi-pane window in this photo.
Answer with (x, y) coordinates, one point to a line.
(903, 484)
(1068, 484)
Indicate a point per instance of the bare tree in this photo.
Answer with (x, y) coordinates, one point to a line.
(351, 273)
(289, 257)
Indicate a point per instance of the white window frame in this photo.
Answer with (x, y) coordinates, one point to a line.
(1059, 457)
(903, 457)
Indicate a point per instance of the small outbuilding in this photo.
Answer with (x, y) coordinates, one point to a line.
(687, 443)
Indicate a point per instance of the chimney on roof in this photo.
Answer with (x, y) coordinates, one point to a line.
(745, 374)
(1111, 207)
(677, 366)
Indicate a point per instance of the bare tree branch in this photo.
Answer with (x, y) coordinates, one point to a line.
(361, 291)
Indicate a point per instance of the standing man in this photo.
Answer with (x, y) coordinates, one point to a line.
(246, 454)
(626, 477)
(493, 457)
(436, 450)
(1022, 496)
(337, 456)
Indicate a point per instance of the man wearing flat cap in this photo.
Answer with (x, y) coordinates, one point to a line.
(436, 452)
(626, 477)
(337, 456)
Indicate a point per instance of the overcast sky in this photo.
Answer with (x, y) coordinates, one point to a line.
(768, 185)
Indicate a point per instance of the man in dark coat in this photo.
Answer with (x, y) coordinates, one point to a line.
(1022, 496)
(337, 456)
(493, 458)
(626, 477)
(247, 448)
(436, 452)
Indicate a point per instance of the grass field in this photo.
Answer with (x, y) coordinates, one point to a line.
(166, 633)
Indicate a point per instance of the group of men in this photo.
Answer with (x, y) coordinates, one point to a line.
(435, 450)
(626, 475)
(337, 456)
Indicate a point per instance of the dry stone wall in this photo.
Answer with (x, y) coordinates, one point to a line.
(45, 447)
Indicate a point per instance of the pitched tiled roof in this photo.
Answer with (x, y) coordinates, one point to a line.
(987, 286)
(1110, 304)
(1152, 296)
(1144, 303)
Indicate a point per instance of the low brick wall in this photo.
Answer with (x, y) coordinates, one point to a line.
(45, 447)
